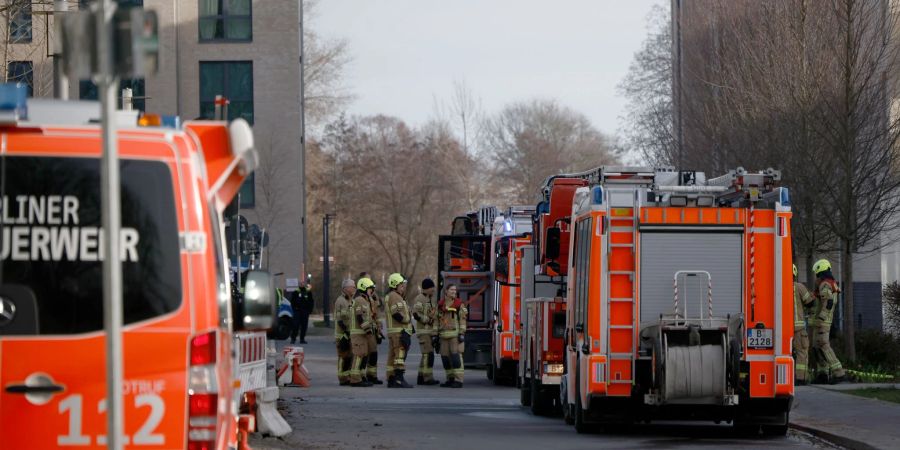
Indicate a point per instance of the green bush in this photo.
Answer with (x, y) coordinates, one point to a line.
(877, 352)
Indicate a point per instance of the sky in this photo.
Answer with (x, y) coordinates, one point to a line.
(407, 53)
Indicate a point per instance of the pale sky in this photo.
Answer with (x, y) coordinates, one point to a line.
(406, 53)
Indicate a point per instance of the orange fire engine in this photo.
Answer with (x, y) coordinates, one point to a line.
(181, 329)
(679, 300)
(511, 234)
(543, 289)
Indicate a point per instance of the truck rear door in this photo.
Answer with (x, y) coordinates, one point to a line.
(52, 356)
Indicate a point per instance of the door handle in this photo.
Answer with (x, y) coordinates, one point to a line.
(24, 389)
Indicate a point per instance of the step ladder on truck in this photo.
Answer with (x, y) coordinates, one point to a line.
(679, 299)
(190, 352)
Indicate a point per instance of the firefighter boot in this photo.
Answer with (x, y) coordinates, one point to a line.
(400, 380)
(392, 381)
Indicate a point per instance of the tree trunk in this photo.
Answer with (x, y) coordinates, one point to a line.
(809, 276)
(847, 289)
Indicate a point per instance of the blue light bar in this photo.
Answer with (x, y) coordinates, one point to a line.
(785, 197)
(597, 195)
(14, 99)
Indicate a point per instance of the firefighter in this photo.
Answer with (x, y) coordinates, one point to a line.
(802, 300)
(360, 330)
(826, 298)
(399, 331)
(452, 315)
(342, 339)
(425, 313)
(374, 339)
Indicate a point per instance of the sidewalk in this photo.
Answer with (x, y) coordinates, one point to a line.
(847, 420)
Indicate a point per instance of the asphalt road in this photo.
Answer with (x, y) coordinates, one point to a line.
(480, 415)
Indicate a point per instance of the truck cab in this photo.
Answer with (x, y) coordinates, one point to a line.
(180, 324)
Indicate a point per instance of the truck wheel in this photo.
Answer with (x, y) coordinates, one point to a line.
(525, 394)
(568, 417)
(777, 430)
(490, 371)
(580, 424)
(538, 402)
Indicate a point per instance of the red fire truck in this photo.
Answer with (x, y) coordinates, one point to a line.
(679, 300)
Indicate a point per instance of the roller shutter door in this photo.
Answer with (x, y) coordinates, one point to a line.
(664, 253)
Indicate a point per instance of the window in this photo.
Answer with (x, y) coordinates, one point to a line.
(20, 23)
(225, 20)
(21, 72)
(234, 81)
(85, 4)
(231, 79)
(53, 257)
(87, 90)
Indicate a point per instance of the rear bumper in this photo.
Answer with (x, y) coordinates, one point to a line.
(761, 411)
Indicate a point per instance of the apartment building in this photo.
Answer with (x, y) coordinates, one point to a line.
(246, 50)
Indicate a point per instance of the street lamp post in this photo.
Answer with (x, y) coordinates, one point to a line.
(326, 295)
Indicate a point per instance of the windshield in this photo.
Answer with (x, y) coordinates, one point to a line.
(52, 244)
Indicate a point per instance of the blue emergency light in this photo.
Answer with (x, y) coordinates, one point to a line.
(14, 101)
(597, 195)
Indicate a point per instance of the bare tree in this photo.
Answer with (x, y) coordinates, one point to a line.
(463, 114)
(529, 141)
(325, 63)
(649, 129)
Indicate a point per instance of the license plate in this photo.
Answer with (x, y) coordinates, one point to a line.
(759, 338)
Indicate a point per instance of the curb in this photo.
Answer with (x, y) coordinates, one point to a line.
(841, 441)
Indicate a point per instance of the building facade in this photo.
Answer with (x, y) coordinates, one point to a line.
(246, 50)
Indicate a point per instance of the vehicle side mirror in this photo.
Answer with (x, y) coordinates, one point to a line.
(552, 245)
(260, 304)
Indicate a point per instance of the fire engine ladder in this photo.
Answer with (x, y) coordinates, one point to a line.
(621, 284)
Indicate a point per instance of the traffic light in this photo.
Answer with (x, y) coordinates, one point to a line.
(135, 43)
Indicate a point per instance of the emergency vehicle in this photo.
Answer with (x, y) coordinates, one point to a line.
(510, 266)
(464, 260)
(184, 340)
(679, 299)
(544, 290)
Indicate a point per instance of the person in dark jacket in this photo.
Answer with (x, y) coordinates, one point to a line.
(302, 302)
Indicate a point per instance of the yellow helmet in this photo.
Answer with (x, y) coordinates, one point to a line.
(364, 283)
(821, 266)
(795, 269)
(395, 280)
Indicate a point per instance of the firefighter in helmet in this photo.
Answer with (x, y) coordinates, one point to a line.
(399, 328)
(376, 307)
(342, 306)
(802, 300)
(360, 330)
(826, 299)
(425, 312)
(452, 314)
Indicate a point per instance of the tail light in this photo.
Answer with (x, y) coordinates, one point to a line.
(203, 393)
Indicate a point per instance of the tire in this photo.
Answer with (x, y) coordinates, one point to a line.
(539, 406)
(490, 371)
(777, 430)
(525, 394)
(581, 426)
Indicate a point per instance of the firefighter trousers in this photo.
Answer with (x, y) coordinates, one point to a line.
(452, 358)
(399, 348)
(426, 365)
(826, 361)
(360, 351)
(372, 360)
(345, 358)
(801, 353)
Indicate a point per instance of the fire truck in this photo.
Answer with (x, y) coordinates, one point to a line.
(464, 259)
(679, 299)
(510, 265)
(543, 289)
(184, 339)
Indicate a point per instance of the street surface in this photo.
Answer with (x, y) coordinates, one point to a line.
(480, 415)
